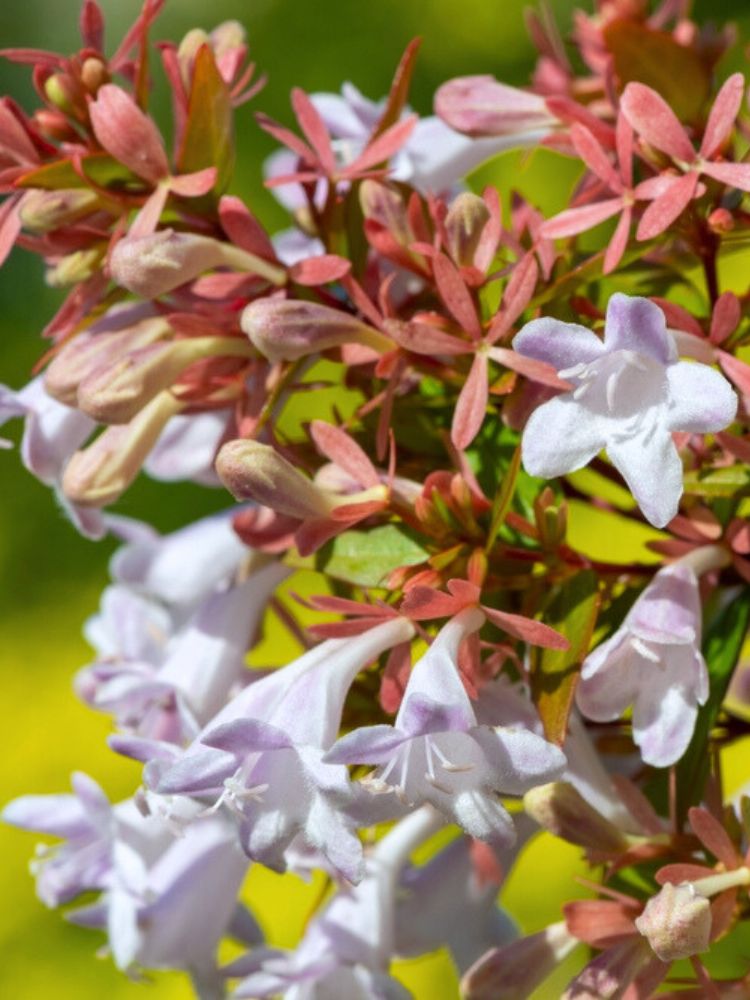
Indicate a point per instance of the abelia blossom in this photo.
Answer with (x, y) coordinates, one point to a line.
(263, 755)
(653, 662)
(630, 394)
(436, 752)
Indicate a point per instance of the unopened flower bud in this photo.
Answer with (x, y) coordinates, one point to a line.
(43, 211)
(153, 265)
(100, 474)
(479, 105)
(54, 125)
(93, 74)
(113, 394)
(58, 90)
(90, 351)
(515, 970)
(287, 329)
(254, 471)
(721, 221)
(676, 922)
(187, 50)
(75, 267)
(559, 808)
(464, 224)
(227, 36)
(385, 205)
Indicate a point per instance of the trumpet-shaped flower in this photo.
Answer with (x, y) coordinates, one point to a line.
(262, 755)
(630, 394)
(437, 752)
(654, 663)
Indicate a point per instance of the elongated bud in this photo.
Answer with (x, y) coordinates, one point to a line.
(89, 351)
(676, 922)
(187, 50)
(464, 224)
(43, 211)
(559, 808)
(514, 971)
(288, 329)
(74, 268)
(101, 473)
(254, 471)
(113, 394)
(153, 265)
(479, 105)
(128, 134)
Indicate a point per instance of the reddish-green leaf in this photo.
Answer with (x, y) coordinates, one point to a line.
(208, 140)
(572, 612)
(654, 57)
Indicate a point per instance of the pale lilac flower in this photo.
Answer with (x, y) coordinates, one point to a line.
(437, 752)
(631, 393)
(502, 703)
(182, 568)
(164, 683)
(153, 876)
(52, 433)
(262, 756)
(446, 903)
(434, 158)
(187, 447)
(654, 663)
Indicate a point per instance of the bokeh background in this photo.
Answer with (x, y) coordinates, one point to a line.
(50, 579)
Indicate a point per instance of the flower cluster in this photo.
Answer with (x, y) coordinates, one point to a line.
(468, 662)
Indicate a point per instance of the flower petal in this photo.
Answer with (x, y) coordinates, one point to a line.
(637, 324)
(561, 345)
(561, 436)
(700, 398)
(652, 469)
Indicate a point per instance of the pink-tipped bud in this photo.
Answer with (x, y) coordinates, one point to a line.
(721, 221)
(287, 329)
(464, 224)
(153, 265)
(100, 474)
(89, 351)
(515, 970)
(114, 393)
(676, 922)
(479, 105)
(43, 211)
(128, 134)
(559, 808)
(254, 471)
(75, 267)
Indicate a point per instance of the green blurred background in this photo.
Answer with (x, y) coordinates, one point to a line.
(51, 578)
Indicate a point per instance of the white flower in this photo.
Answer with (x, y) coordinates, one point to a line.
(631, 392)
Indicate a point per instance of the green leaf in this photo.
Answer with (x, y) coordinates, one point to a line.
(101, 168)
(572, 611)
(543, 176)
(733, 481)
(722, 646)
(366, 558)
(209, 133)
(503, 498)
(675, 71)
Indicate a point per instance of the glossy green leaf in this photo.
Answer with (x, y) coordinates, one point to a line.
(655, 58)
(209, 134)
(733, 481)
(366, 558)
(572, 611)
(722, 646)
(101, 168)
